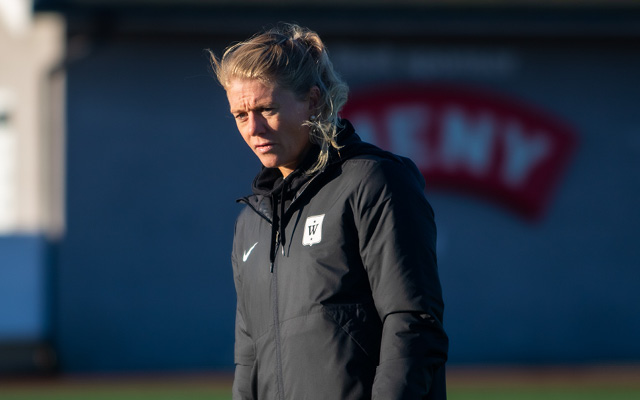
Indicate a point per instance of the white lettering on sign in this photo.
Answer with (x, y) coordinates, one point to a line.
(493, 145)
(467, 143)
(522, 153)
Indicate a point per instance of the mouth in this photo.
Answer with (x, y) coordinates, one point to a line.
(264, 148)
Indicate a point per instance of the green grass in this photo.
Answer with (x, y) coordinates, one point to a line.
(212, 388)
(532, 393)
(110, 388)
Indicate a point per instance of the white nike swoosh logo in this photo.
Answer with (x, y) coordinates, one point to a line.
(246, 253)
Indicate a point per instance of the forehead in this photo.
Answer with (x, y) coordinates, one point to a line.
(247, 93)
(249, 89)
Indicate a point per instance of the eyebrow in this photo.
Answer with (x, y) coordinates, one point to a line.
(270, 104)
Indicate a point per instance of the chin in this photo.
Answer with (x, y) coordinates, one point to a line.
(269, 163)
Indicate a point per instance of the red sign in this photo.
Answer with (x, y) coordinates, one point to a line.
(474, 141)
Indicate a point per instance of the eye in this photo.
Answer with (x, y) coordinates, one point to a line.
(240, 116)
(269, 110)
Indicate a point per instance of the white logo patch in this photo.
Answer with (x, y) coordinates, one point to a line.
(312, 230)
(245, 255)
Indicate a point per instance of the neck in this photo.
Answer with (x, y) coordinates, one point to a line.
(286, 170)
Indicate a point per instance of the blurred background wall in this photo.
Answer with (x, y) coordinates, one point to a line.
(523, 118)
(30, 186)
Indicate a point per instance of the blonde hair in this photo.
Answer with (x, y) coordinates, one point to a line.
(293, 58)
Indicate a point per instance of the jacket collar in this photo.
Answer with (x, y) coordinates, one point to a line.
(270, 180)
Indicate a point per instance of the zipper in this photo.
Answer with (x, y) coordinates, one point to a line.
(274, 279)
(276, 244)
(276, 323)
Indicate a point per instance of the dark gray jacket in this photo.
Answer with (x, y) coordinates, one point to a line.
(337, 283)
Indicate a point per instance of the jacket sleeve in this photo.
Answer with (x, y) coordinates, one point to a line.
(397, 238)
(243, 349)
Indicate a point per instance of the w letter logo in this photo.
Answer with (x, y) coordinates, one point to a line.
(313, 230)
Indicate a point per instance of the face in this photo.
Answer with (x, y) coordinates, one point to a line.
(270, 120)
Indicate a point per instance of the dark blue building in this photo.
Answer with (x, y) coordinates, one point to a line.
(141, 279)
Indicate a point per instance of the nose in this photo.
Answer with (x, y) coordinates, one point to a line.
(255, 124)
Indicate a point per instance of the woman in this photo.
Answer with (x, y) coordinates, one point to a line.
(338, 295)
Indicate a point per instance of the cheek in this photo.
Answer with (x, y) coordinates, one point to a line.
(243, 133)
(296, 123)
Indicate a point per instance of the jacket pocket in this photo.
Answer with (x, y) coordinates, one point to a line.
(361, 323)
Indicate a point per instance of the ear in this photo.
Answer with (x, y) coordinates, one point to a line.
(314, 100)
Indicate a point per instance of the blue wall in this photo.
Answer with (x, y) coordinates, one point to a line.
(144, 278)
(562, 289)
(155, 164)
(24, 288)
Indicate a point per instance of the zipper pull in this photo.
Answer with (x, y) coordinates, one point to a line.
(278, 243)
(275, 245)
